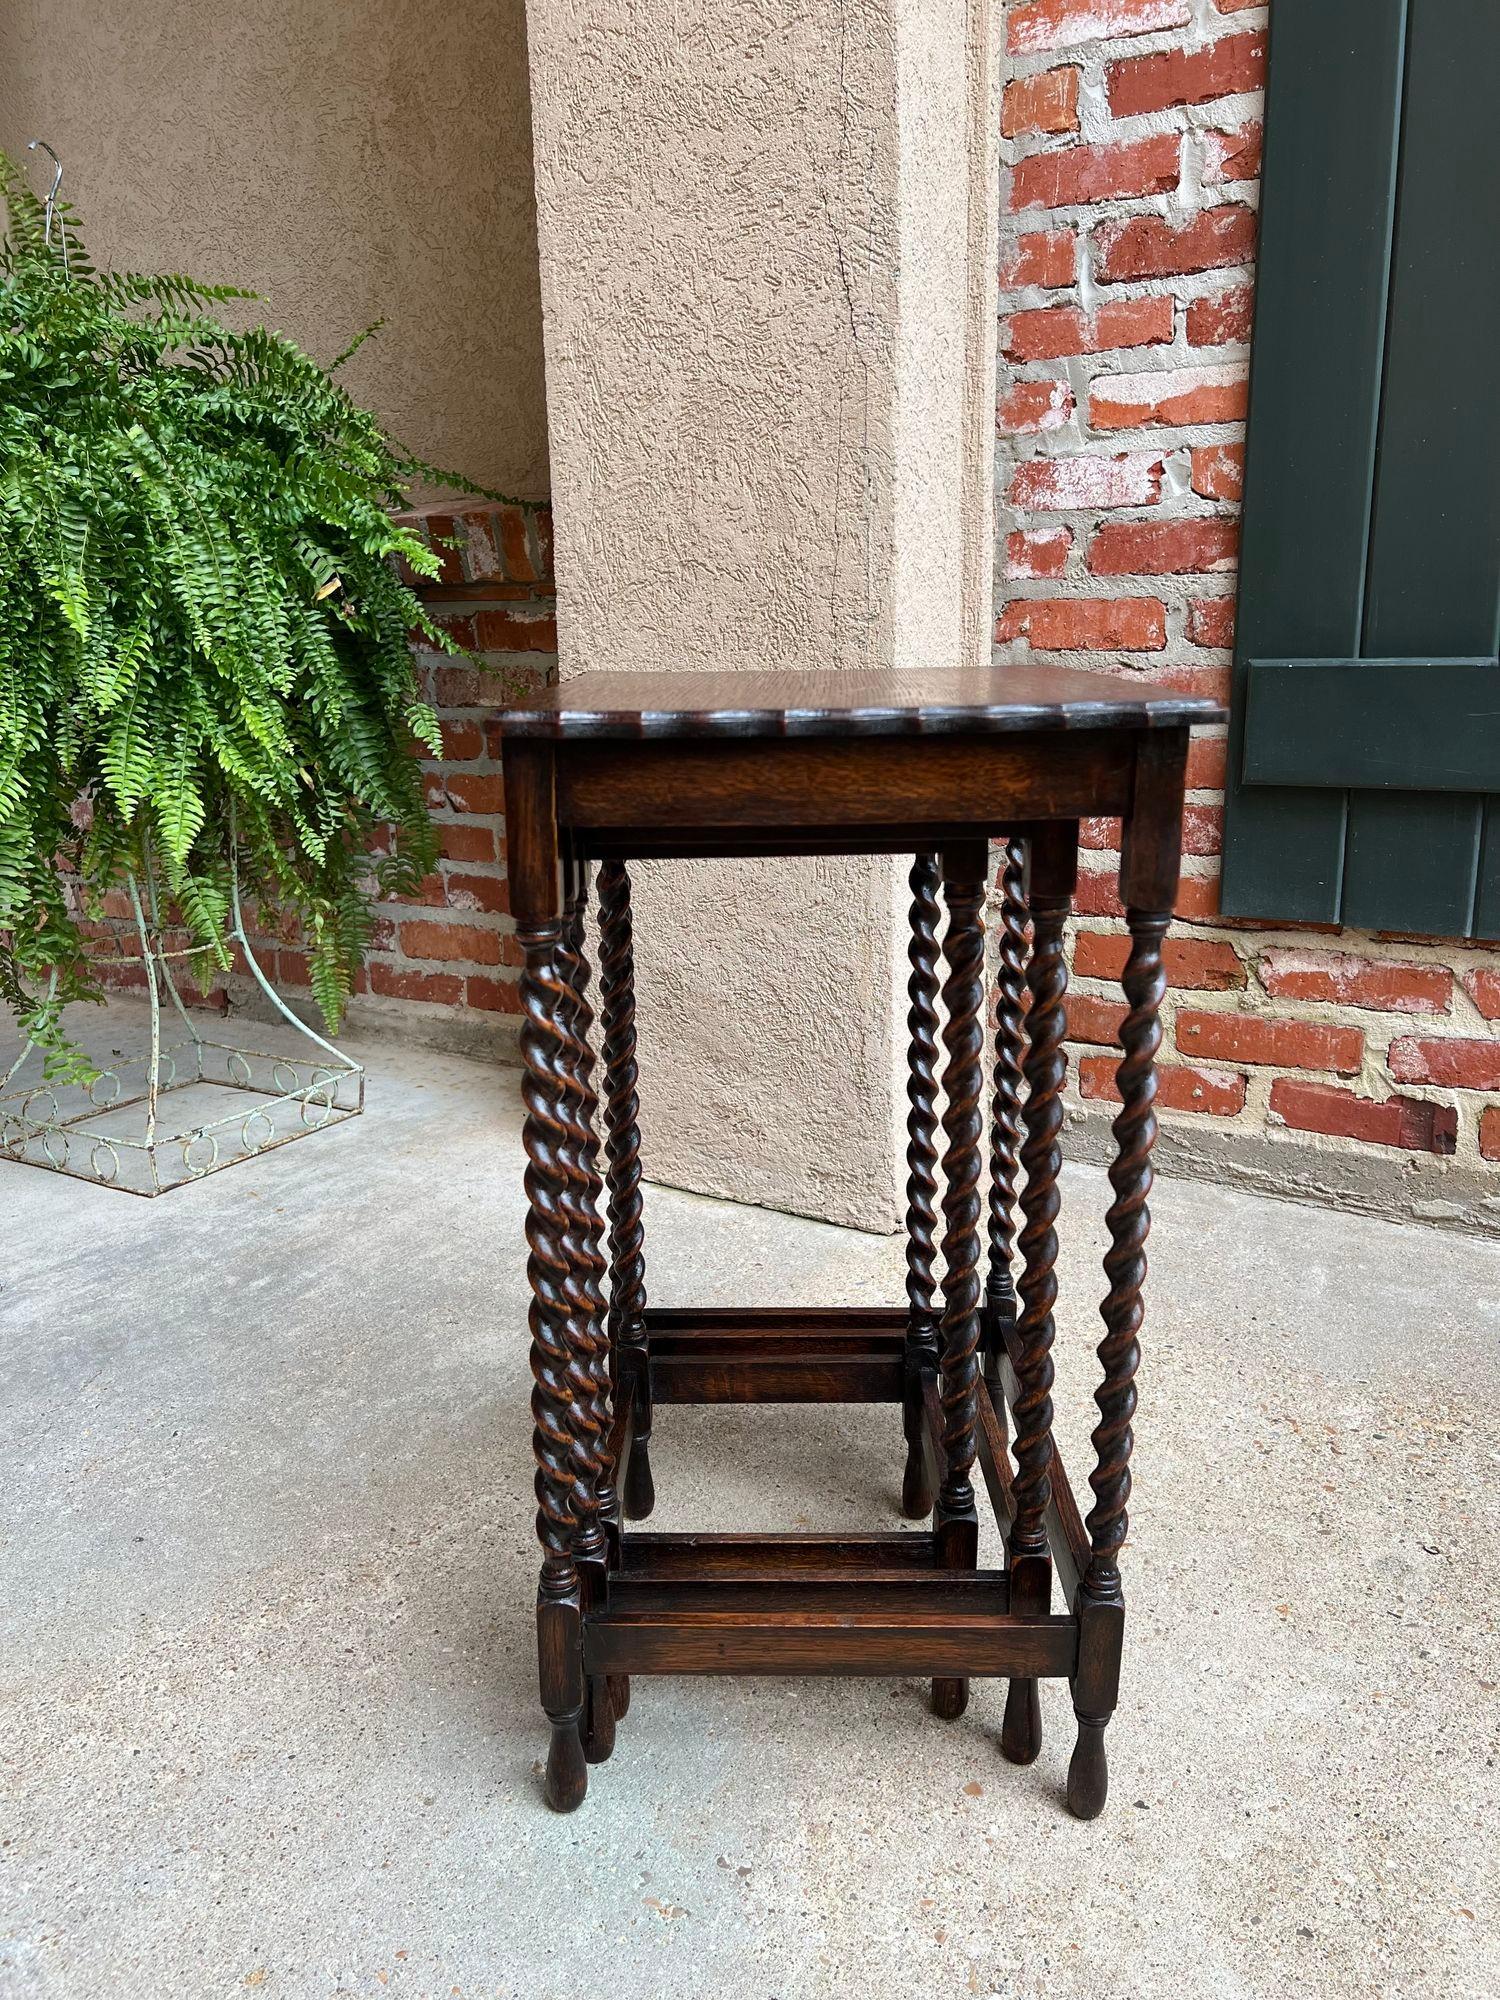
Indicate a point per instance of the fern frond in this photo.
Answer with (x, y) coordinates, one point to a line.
(200, 619)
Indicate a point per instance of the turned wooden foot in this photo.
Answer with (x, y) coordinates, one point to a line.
(639, 1490)
(1088, 1772)
(916, 1493)
(950, 1699)
(1021, 1730)
(567, 1777)
(598, 1720)
(619, 1694)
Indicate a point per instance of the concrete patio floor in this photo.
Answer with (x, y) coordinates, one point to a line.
(268, 1715)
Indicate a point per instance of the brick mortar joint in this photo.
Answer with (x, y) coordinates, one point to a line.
(1456, 955)
(1372, 1083)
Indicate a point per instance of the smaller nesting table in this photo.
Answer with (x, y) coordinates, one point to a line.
(607, 769)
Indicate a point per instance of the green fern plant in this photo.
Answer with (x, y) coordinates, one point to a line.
(202, 630)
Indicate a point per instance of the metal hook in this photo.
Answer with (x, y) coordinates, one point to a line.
(49, 211)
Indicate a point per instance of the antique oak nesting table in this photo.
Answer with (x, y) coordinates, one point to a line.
(608, 769)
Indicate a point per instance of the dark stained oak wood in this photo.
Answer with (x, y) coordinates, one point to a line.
(627, 1261)
(598, 1727)
(559, 1303)
(1151, 837)
(720, 1643)
(862, 1323)
(956, 1522)
(696, 793)
(896, 837)
(1150, 858)
(1021, 1733)
(963, 1129)
(813, 1594)
(777, 1356)
(860, 1376)
(982, 701)
(881, 1626)
(702, 1556)
(597, 1532)
(994, 1459)
(1053, 864)
(934, 1423)
(621, 1435)
(532, 847)
(922, 1342)
(592, 1363)
(1067, 1543)
(552, 1338)
(1021, 1729)
(1005, 1098)
(930, 766)
(1054, 872)
(1129, 1224)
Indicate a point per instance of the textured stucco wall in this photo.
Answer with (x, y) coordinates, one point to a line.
(754, 231)
(718, 214)
(947, 54)
(352, 162)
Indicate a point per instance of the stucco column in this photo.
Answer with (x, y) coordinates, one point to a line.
(767, 258)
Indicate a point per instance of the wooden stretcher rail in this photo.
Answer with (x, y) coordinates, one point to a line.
(875, 1627)
(776, 1378)
(784, 1322)
(994, 1458)
(831, 1593)
(662, 1557)
(776, 1355)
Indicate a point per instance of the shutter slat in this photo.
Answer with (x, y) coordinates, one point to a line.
(1327, 203)
(1407, 726)
(1411, 862)
(1487, 890)
(1434, 570)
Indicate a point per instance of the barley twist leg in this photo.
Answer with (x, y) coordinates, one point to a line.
(1128, 1222)
(956, 1521)
(922, 1348)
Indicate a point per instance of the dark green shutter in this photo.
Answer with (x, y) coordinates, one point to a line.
(1365, 742)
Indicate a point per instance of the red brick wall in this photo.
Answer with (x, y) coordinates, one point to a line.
(450, 953)
(455, 948)
(1131, 133)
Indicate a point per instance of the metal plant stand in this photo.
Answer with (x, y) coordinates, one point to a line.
(113, 1130)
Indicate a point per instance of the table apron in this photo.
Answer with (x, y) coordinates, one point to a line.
(977, 783)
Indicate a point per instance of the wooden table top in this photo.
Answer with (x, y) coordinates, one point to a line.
(979, 701)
